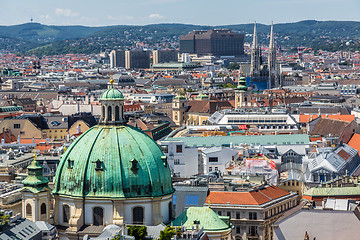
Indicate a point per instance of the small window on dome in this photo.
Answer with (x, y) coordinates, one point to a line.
(70, 163)
(134, 165)
(99, 165)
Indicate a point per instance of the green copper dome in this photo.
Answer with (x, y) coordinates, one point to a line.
(35, 181)
(112, 94)
(242, 84)
(202, 97)
(205, 216)
(113, 161)
(180, 97)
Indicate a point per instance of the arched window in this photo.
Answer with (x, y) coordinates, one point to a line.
(170, 211)
(117, 113)
(43, 208)
(98, 216)
(28, 210)
(66, 213)
(103, 112)
(109, 116)
(138, 215)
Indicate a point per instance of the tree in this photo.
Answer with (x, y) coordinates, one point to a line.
(117, 237)
(233, 66)
(167, 234)
(139, 232)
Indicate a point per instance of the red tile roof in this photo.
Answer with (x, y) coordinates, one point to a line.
(256, 197)
(30, 140)
(307, 118)
(355, 141)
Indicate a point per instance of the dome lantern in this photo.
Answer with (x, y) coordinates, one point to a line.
(112, 106)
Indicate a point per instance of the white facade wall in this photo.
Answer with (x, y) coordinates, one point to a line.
(223, 154)
(185, 162)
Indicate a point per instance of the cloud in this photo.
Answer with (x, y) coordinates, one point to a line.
(65, 12)
(156, 16)
(121, 18)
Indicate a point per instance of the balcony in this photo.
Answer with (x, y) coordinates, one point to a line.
(253, 237)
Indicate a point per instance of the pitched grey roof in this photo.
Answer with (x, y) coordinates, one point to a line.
(154, 231)
(21, 229)
(44, 226)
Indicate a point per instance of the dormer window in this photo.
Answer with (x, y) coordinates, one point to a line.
(99, 165)
(134, 165)
(70, 163)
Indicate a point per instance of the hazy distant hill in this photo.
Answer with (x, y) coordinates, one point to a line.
(36, 32)
(93, 39)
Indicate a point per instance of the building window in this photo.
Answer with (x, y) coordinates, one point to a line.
(170, 211)
(43, 208)
(117, 113)
(237, 229)
(16, 126)
(28, 210)
(253, 230)
(252, 215)
(176, 161)
(165, 148)
(138, 215)
(210, 169)
(179, 148)
(219, 212)
(216, 168)
(228, 214)
(66, 213)
(109, 117)
(98, 216)
(213, 159)
(192, 200)
(237, 215)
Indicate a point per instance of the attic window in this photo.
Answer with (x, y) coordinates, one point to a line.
(55, 123)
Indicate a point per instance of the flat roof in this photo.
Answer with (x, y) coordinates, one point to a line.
(216, 141)
(320, 224)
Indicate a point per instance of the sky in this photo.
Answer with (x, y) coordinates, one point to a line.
(201, 12)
